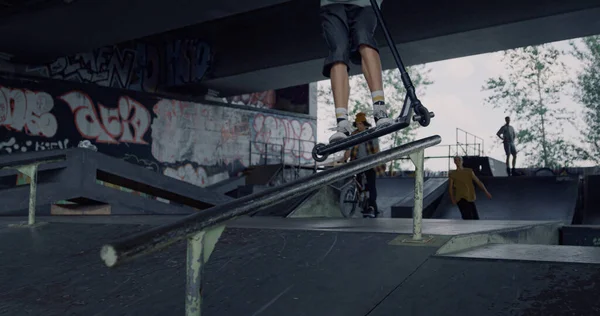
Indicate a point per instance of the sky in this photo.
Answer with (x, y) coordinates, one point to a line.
(457, 99)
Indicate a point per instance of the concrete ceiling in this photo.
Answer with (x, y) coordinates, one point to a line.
(270, 44)
(281, 46)
(38, 31)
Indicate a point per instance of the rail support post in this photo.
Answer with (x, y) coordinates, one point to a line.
(31, 172)
(418, 159)
(199, 248)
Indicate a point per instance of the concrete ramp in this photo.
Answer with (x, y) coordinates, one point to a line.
(322, 203)
(485, 166)
(433, 191)
(392, 190)
(86, 177)
(521, 198)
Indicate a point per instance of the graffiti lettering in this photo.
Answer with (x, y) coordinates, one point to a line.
(188, 61)
(146, 75)
(28, 111)
(12, 146)
(195, 176)
(110, 124)
(107, 66)
(137, 66)
(296, 137)
(263, 100)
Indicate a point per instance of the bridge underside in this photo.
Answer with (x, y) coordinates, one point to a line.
(293, 55)
(273, 44)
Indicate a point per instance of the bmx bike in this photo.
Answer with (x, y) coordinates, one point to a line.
(355, 194)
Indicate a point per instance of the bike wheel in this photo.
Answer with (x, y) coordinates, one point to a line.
(348, 201)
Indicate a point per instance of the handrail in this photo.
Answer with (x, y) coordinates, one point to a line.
(481, 149)
(154, 239)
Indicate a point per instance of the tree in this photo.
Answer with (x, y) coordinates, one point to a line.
(587, 93)
(360, 100)
(529, 93)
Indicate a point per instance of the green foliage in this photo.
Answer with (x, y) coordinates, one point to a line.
(360, 101)
(587, 93)
(529, 94)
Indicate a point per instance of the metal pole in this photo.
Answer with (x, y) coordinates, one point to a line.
(194, 271)
(456, 137)
(449, 156)
(418, 160)
(32, 194)
(199, 248)
(266, 154)
(160, 237)
(482, 147)
(250, 152)
(31, 172)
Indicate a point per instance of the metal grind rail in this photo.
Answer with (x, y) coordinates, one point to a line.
(203, 229)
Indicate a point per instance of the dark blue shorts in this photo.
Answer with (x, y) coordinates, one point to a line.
(345, 27)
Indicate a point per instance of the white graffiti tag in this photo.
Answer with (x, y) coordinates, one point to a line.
(27, 111)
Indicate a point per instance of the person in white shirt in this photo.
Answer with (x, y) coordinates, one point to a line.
(508, 136)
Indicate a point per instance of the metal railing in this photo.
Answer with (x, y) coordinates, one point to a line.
(478, 147)
(451, 150)
(203, 229)
(276, 153)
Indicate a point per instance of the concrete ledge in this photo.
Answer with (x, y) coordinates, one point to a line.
(534, 253)
(323, 203)
(545, 234)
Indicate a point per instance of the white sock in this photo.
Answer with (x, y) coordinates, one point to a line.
(341, 114)
(378, 97)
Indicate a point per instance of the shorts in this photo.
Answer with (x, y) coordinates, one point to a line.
(345, 27)
(510, 149)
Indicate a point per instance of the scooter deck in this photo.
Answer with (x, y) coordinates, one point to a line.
(359, 138)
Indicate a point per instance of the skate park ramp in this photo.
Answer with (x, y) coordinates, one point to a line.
(392, 190)
(521, 198)
(433, 192)
(85, 178)
(485, 166)
(591, 212)
(326, 203)
(321, 203)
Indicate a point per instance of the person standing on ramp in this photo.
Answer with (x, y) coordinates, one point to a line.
(508, 136)
(462, 190)
(348, 27)
(363, 150)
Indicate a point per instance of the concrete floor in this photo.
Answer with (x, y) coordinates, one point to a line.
(276, 266)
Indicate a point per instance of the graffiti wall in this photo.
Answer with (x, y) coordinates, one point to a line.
(198, 143)
(144, 67)
(135, 66)
(293, 99)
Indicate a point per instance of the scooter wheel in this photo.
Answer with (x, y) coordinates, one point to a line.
(315, 154)
(425, 117)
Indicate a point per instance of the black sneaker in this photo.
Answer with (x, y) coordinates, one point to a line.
(369, 213)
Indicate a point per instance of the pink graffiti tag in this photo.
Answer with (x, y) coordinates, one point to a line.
(109, 125)
(27, 111)
(296, 137)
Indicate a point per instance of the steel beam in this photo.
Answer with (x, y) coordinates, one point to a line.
(124, 250)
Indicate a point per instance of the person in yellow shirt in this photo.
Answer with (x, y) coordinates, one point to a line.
(462, 190)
